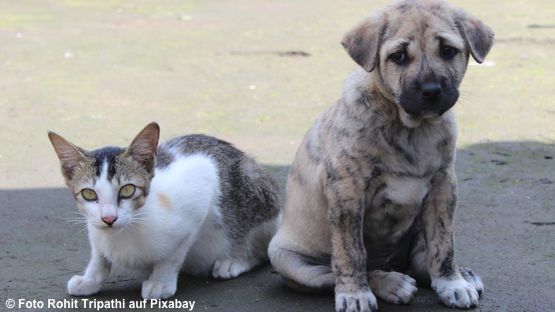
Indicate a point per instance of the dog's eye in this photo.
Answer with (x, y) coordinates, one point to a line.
(400, 58)
(448, 52)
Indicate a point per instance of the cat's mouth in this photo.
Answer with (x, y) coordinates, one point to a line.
(109, 228)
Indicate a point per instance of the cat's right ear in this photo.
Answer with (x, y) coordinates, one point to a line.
(143, 148)
(70, 156)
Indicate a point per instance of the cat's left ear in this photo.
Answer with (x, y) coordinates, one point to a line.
(143, 148)
(70, 156)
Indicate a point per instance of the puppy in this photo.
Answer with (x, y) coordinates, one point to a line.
(372, 191)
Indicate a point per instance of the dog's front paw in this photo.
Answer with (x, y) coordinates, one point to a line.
(81, 286)
(456, 293)
(157, 290)
(392, 287)
(363, 301)
(473, 279)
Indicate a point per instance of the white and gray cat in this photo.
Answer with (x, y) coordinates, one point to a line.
(195, 204)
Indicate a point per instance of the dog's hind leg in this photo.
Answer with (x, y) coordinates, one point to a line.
(301, 272)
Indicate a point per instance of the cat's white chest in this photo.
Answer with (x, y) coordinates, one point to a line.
(131, 249)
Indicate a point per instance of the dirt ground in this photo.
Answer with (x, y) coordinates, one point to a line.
(257, 73)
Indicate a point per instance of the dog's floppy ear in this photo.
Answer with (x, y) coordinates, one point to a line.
(363, 42)
(477, 35)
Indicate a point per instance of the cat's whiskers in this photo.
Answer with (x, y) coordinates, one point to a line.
(76, 220)
(83, 222)
(135, 222)
(77, 214)
(139, 217)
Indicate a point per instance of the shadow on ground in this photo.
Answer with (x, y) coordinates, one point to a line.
(505, 231)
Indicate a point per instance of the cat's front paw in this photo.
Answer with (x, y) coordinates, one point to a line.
(157, 290)
(363, 301)
(81, 286)
(457, 293)
(230, 268)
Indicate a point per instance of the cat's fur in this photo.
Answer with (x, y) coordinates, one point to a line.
(200, 205)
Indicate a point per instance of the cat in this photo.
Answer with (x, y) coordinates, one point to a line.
(195, 204)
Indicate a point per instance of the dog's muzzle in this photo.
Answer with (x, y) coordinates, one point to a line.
(429, 98)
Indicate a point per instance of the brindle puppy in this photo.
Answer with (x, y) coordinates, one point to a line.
(372, 190)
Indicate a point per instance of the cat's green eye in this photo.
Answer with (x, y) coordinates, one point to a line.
(126, 191)
(89, 195)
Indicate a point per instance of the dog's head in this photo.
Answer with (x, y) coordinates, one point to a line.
(419, 51)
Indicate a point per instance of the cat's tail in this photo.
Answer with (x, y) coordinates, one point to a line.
(259, 238)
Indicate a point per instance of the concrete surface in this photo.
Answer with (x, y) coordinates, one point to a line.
(257, 73)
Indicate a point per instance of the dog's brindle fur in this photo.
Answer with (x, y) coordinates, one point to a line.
(372, 189)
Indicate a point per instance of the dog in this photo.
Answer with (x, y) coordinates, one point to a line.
(372, 190)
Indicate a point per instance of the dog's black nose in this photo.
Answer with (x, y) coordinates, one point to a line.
(431, 90)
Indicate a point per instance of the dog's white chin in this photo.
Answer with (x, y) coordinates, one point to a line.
(414, 122)
(408, 120)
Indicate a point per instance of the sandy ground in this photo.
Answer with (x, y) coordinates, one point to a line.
(257, 73)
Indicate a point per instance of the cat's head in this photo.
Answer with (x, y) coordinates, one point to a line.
(110, 184)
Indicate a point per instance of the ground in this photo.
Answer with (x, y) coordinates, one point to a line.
(257, 73)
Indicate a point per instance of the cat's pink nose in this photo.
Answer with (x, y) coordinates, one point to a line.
(109, 220)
